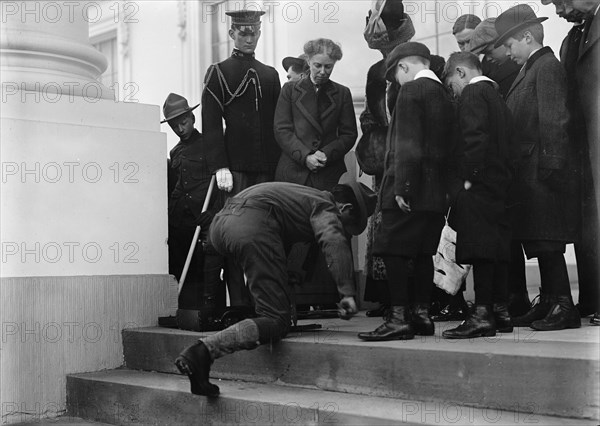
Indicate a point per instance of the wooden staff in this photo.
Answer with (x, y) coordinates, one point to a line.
(196, 235)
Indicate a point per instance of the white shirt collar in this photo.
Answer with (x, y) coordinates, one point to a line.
(427, 74)
(483, 78)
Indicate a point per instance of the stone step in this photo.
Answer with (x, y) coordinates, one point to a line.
(551, 373)
(150, 398)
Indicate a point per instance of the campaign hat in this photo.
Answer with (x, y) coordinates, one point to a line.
(513, 20)
(174, 106)
(366, 200)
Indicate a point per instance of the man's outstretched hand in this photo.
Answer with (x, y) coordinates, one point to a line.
(347, 308)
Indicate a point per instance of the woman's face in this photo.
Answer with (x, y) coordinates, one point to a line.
(321, 66)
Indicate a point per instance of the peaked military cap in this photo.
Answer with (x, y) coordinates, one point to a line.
(245, 17)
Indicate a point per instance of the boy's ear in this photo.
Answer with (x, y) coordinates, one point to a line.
(460, 71)
(346, 206)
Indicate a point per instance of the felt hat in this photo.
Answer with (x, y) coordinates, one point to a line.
(482, 36)
(246, 20)
(174, 106)
(513, 20)
(366, 200)
(300, 61)
(404, 50)
(545, 2)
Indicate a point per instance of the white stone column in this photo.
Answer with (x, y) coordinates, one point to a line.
(45, 47)
(83, 217)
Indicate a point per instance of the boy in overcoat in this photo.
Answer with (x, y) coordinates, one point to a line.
(478, 212)
(544, 197)
(413, 191)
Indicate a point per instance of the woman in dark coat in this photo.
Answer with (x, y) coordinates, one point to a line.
(315, 126)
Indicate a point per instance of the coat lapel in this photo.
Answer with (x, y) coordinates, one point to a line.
(519, 78)
(307, 103)
(332, 95)
(590, 36)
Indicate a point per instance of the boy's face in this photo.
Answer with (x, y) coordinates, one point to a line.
(519, 50)
(245, 39)
(463, 38)
(183, 126)
(456, 81)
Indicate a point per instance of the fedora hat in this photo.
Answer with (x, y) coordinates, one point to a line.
(366, 200)
(174, 106)
(514, 20)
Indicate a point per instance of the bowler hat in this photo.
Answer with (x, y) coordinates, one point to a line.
(514, 20)
(174, 106)
(482, 36)
(366, 200)
(404, 50)
(300, 61)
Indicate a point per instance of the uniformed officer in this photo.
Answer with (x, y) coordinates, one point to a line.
(193, 161)
(243, 92)
(257, 228)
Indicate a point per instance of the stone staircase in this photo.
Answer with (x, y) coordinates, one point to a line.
(330, 377)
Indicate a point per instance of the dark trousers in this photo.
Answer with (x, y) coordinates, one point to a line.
(404, 289)
(491, 282)
(251, 237)
(203, 280)
(234, 275)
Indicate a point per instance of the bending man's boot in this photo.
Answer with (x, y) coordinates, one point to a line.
(502, 317)
(421, 321)
(397, 326)
(537, 311)
(563, 314)
(195, 362)
(480, 323)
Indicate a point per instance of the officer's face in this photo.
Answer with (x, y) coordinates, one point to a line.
(321, 67)
(245, 39)
(183, 126)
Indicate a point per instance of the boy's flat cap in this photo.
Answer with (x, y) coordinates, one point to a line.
(404, 50)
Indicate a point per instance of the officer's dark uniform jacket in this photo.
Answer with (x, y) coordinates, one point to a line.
(192, 163)
(244, 92)
(304, 214)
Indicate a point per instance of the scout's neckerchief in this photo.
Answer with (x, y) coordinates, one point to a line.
(251, 76)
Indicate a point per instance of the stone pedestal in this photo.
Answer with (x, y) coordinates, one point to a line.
(83, 215)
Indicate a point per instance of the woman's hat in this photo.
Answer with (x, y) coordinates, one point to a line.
(482, 36)
(514, 20)
(366, 200)
(174, 106)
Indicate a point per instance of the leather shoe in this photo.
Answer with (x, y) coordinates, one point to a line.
(421, 322)
(537, 312)
(562, 314)
(595, 319)
(503, 320)
(195, 362)
(396, 327)
(518, 304)
(378, 312)
(452, 313)
(480, 323)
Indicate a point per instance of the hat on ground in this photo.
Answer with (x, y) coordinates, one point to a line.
(514, 20)
(300, 61)
(482, 36)
(246, 20)
(366, 200)
(404, 50)
(174, 106)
